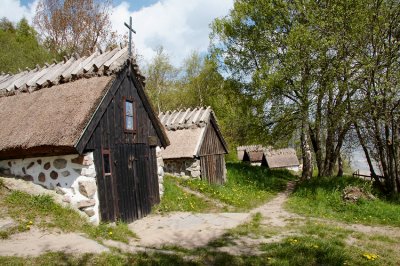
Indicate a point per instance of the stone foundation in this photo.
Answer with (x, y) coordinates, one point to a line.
(183, 167)
(73, 176)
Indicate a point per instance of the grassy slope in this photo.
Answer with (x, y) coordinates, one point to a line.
(322, 197)
(175, 199)
(41, 211)
(246, 187)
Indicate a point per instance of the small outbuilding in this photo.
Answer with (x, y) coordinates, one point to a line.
(84, 127)
(241, 150)
(197, 146)
(281, 159)
(252, 154)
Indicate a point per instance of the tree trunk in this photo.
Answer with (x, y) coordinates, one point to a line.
(340, 166)
(306, 153)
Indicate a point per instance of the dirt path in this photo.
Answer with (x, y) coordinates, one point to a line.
(185, 229)
(181, 229)
(35, 242)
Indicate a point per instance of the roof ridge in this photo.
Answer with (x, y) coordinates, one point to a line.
(70, 68)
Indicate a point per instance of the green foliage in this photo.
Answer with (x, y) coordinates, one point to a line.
(244, 182)
(20, 47)
(322, 197)
(175, 199)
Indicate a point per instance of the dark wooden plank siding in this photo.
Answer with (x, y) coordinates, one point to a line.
(213, 168)
(133, 188)
(211, 142)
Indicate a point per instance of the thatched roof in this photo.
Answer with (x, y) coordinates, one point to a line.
(47, 110)
(241, 150)
(185, 130)
(73, 68)
(53, 116)
(281, 158)
(250, 148)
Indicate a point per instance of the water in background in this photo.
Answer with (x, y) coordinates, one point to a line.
(359, 162)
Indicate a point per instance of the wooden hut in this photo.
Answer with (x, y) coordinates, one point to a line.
(84, 127)
(253, 154)
(242, 149)
(197, 147)
(281, 158)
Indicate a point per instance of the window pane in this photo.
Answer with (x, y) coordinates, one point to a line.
(129, 108)
(106, 163)
(129, 122)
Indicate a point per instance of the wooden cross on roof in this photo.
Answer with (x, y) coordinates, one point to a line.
(130, 35)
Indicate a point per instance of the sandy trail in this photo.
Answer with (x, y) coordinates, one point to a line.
(181, 228)
(35, 242)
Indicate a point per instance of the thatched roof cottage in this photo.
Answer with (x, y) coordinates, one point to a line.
(281, 158)
(197, 146)
(84, 127)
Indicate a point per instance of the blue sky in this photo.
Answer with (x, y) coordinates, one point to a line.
(134, 4)
(179, 26)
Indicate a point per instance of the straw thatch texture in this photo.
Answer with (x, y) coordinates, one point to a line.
(53, 116)
(281, 158)
(185, 130)
(73, 68)
(183, 143)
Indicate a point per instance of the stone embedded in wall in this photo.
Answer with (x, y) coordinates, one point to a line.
(60, 191)
(90, 172)
(195, 174)
(5, 171)
(65, 173)
(42, 177)
(54, 175)
(47, 166)
(77, 160)
(30, 165)
(60, 163)
(85, 203)
(89, 211)
(67, 198)
(87, 188)
(67, 181)
(78, 171)
(27, 178)
(84, 160)
(160, 162)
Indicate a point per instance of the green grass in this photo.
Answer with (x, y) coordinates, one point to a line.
(175, 199)
(41, 211)
(322, 197)
(244, 182)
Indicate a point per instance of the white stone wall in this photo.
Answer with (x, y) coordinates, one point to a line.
(73, 176)
(160, 171)
(183, 167)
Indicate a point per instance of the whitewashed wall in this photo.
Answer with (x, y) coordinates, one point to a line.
(160, 171)
(73, 176)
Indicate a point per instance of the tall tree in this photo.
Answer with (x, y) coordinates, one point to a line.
(69, 26)
(19, 47)
(161, 80)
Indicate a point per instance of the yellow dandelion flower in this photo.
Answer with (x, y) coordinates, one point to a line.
(110, 233)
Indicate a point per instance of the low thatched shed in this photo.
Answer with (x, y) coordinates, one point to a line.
(197, 147)
(252, 154)
(281, 158)
(242, 149)
(84, 127)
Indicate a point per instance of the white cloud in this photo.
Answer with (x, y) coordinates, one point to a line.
(179, 26)
(15, 11)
